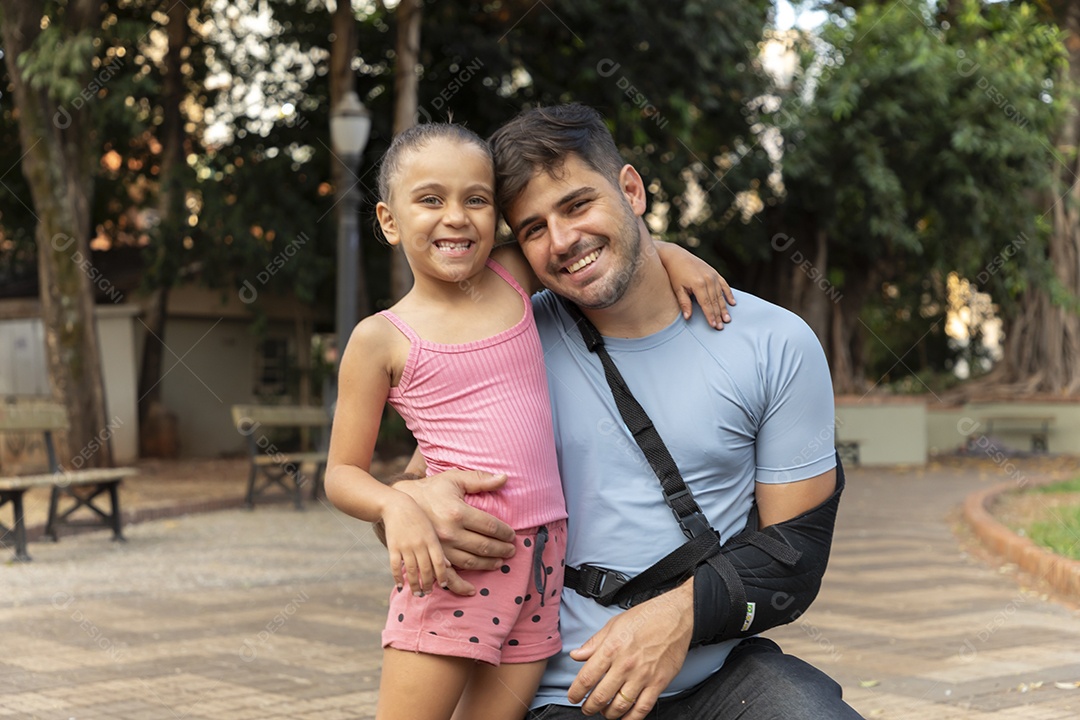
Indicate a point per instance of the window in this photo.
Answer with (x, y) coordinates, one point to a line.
(272, 368)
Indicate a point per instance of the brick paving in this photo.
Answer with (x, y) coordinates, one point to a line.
(276, 614)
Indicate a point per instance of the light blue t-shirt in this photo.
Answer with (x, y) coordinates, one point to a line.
(751, 402)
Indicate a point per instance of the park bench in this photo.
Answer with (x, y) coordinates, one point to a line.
(81, 487)
(271, 466)
(1036, 427)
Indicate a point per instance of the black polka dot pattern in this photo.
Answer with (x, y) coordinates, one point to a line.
(493, 603)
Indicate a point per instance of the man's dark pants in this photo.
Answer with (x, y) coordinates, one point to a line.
(757, 682)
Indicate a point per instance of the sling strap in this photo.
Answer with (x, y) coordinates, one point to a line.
(677, 496)
(609, 587)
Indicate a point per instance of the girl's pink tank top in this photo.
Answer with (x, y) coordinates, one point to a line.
(484, 405)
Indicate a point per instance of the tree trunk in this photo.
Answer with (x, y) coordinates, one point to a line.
(801, 285)
(154, 424)
(58, 165)
(811, 289)
(406, 85)
(1042, 344)
(342, 80)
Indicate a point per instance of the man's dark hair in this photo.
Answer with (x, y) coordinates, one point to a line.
(542, 138)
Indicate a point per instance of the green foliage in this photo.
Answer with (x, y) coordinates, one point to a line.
(57, 61)
(672, 78)
(921, 146)
(1065, 486)
(243, 202)
(927, 139)
(917, 144)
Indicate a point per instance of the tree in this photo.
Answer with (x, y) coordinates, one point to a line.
(406, 84)
(171, 226)
(919, 149)
(51, 62)
(1042, 348)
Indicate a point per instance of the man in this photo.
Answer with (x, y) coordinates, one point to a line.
(747, 415)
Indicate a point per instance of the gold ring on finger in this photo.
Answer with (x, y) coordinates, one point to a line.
(628, 700)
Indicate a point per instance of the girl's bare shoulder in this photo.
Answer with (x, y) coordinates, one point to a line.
(375, 341)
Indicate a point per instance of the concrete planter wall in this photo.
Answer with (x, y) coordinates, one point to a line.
(884, 430)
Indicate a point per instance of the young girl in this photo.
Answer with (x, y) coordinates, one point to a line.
(460, 359)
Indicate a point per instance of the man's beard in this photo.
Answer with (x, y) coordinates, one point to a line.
(608, 290)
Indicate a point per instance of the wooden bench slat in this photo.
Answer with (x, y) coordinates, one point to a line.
(32, 416)
(244, 416)
(1020, 420)
(76, 477)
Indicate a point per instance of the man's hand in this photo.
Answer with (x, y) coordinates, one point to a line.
(635, 656)
(471, 539)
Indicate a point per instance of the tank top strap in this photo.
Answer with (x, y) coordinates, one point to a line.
(414, 351)
(402, 326)
(505, 275)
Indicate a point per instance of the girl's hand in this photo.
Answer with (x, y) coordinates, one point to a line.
(415, 552)
(690, 275)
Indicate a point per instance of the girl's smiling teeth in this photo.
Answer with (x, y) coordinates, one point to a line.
(453, 245)
(583, 262)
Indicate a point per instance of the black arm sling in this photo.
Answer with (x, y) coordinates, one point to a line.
(609, 587)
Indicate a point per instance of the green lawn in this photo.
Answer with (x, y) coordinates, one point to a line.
(1065, 486)
(1061, 534)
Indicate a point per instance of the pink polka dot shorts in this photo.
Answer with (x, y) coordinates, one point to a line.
(512, 618)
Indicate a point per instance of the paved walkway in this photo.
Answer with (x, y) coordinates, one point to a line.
(276, 614)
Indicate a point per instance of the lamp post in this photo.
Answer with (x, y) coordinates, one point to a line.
(350, 126)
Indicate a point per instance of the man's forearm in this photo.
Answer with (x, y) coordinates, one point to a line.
(766, 578)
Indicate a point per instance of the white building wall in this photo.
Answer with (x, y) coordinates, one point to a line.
(120, 370)
(216, 372)
(24, 370)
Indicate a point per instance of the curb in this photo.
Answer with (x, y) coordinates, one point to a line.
(1062, 574)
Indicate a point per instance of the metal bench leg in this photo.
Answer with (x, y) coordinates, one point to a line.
(298, 485)
(18, 529)
(249, 500)
(114, 498)
(318, 490)
(50, 526)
